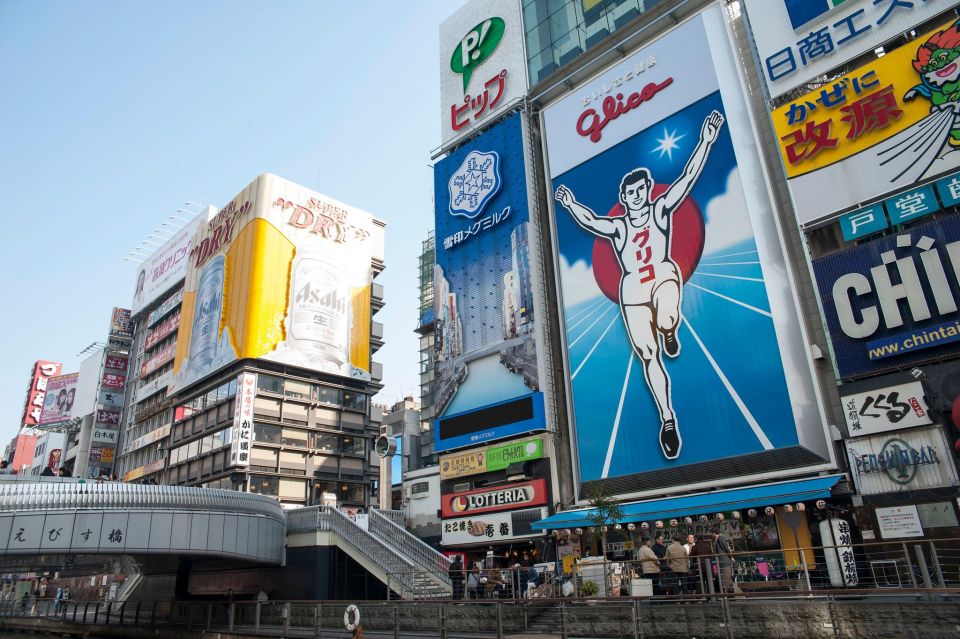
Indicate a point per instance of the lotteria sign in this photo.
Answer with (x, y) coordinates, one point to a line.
(893, 302)
(488, 500)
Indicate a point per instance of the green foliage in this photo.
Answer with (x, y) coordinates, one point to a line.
(605, 510)
(588, 589)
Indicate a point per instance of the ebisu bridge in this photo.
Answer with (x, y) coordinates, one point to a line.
(202, 542)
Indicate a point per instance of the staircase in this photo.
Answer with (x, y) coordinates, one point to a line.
(409, 567)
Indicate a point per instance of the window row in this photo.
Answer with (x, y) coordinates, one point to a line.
(312, 392)
(207, 400)
(201, 446)
(324, 442)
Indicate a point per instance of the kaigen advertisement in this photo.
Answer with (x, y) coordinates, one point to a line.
(680, 325)
(58, 403)
(485, 320)
(880, 128)
(322, 251)
(161, 271)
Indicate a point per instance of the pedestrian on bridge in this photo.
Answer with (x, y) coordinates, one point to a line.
(455, 572)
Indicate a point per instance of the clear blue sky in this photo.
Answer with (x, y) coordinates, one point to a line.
(114, 113)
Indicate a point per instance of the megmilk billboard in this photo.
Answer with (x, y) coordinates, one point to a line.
(280, 273)
(485, 320)
(683, 347)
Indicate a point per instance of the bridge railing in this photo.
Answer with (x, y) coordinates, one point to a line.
(410, 545)
(28, 494)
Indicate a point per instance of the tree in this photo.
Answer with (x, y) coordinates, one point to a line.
(605, 511)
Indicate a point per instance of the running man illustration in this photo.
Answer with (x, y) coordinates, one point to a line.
(651, 284)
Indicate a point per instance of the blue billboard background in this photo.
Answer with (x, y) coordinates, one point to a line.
(484, 320)
(914, 340)
(727, 383)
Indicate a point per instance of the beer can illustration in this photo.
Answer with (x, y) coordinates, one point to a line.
(318, 320)
(206, 316)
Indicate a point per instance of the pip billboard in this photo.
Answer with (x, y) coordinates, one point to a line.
(883, 127)
(892, 302)
(485, 321)
(681, 333)
(280, 273)
(58, 403)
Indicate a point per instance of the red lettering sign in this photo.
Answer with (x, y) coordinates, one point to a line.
(591, 124)
(488, 500)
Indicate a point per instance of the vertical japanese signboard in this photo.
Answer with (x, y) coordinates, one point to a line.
(681, 330)
(37, 391)
(242, 437)
(878, 129)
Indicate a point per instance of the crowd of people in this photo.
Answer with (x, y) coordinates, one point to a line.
(680, 568)
(478, 582)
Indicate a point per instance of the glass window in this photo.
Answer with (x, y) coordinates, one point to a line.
(263, 485)
(327, 395)
(294, 437)
(345, 491)
(216, 440)
(352, 421)
(326, 442)
(292, 488)
(270, 384)
(298, 390)
(206, 444)
(354, 401)
(266, 433)
(232, 388)
(193, 448)
(351, 445)
(211, 397)
(420, 487)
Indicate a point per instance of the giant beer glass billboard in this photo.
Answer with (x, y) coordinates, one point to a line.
(280, 273)
(684, 353)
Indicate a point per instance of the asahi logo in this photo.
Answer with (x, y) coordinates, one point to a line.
(326, 298)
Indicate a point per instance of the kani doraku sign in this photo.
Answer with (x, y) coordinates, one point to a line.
(485, 500)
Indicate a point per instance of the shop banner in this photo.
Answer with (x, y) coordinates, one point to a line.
(799, 40)
(483, 69)
(490, 528)
(104, 434)
(149, 438)
(165, 307)
(110, 398)
(898, 522)
(167, 327)
(838, 550)
(153, 386)
(116, 362)
(110, 380)
(680, 322)
(892, 302)
(242, 437)
(490, 458)
(108, 417)
(488, 500)
(157, 359)
(58, 403)
(120, 325)
(883, 409)
(883, 127)
(900, 462)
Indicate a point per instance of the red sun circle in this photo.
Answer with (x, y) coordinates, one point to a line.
(686, 245)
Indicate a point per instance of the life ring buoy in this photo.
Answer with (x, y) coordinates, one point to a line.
(351, 617)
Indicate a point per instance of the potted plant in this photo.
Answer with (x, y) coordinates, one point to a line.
(588, 589)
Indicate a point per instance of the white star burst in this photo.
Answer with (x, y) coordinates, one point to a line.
(668, 143)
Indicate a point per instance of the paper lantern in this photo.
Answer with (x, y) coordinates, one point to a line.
(579, 531)
(645, 526)
(821, 504)
(631, 527)
(720, 517)
(703, 519)
(618, 527)
(769, 511)
(752, 513)
(659, 524)
(688, 520)
(736, 514)
(787, 508)
(801, 507)
(674, 523)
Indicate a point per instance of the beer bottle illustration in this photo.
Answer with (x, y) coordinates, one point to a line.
(318, 320)
(206, 317)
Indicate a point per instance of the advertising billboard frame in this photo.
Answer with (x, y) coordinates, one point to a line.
(770, 233)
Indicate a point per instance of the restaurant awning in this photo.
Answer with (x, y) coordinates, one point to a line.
(701, 503)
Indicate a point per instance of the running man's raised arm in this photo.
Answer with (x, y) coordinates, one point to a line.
(684, 184)
(586, 218)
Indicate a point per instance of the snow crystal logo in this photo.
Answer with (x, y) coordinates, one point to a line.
(474, 183)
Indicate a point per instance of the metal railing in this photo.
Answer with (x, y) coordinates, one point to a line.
(396, 516)
(28, 493)
(327, 518)
(736, 616)
(413, 547)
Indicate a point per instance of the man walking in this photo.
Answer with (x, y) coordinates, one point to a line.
(651, 283)
(650, 564)
(455, 572)
(721, 548)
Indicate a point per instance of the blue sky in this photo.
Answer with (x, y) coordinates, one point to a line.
(115, 113)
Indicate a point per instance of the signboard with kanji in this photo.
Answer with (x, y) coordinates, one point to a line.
(243, 420)
(880, 128)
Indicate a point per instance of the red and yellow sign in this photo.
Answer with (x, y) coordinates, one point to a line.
(488, 500)
(869, 105)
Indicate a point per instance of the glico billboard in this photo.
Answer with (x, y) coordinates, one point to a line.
(884, 126)
(485, 316)
(684, 352)
(280, 273)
